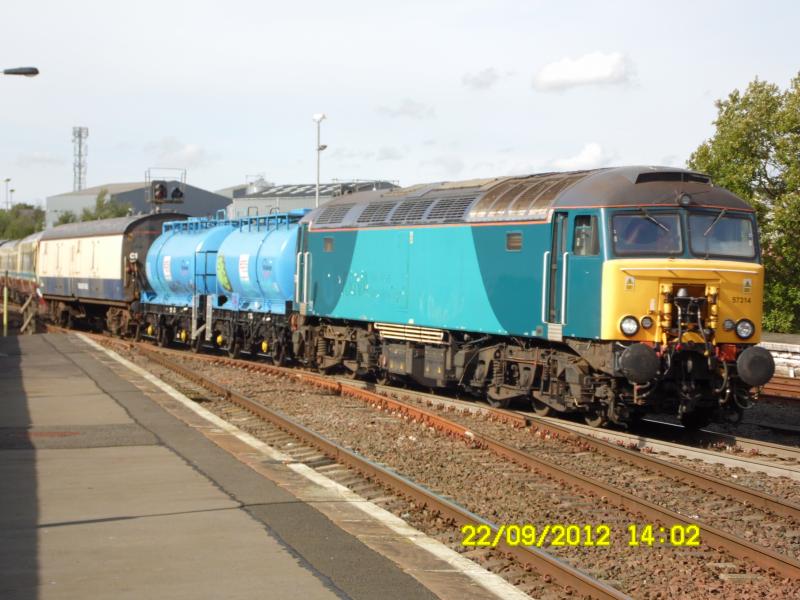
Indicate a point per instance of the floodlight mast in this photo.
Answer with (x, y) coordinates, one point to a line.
(318, 118)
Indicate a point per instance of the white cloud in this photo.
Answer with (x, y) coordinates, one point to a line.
(169, 152)
(40, 159)
(591, 156)
(389, 153)
(595, 68)
(408, 108)
(482, 80)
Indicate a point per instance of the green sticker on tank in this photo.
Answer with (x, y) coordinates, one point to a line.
(222, 274)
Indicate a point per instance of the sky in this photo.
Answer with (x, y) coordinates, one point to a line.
(414, 92)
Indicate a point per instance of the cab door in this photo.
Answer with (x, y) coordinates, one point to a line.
(556, 264)
(302, 274)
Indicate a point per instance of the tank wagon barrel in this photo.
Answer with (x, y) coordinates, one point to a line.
(223, 282)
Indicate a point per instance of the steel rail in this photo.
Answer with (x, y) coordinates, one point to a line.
(679, 472)
(738, 547)
(531, 557)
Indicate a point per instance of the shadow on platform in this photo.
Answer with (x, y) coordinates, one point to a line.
(19, 512)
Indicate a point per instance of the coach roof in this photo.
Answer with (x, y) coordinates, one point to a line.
(104, 227)
(523, 198)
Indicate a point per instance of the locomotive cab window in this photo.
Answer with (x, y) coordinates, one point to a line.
(327, 244)
(514, 241)
(647, 234)
(721, 234)
(585, 240)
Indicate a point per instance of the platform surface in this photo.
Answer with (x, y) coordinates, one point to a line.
(104, 494)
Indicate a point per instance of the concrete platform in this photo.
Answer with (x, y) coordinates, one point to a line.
(105, 494)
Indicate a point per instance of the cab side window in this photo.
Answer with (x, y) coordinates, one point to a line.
(585, 240)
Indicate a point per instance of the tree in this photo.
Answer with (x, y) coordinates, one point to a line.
(21, 221)
(105, 208)
(755, 153)
(67, 217)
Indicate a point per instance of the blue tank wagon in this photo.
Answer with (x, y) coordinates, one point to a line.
(181, 274)
(255, 286)
(229, 283)
(606, 292)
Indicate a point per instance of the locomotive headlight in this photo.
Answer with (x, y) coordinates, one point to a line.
(647, 322)
(629, 325)
(728, 324)
(745, 329)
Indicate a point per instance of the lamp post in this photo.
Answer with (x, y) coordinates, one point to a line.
(24, 71)
(8, 204)
(320, 147)
(11, 197)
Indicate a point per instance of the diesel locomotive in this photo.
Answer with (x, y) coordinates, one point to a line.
(609, 293)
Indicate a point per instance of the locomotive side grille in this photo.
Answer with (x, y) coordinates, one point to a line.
(332, 215)
(376, 212)
(410, 333)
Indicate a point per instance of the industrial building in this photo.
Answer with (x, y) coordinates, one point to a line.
(260, 198)
(139, 195)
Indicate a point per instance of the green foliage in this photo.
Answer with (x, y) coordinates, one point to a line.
(66, 217)
(21, 221)
(755, 153)
(105, 208)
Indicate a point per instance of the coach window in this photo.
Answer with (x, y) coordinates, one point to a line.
(327, 244)
(584, 237)
(514, 241)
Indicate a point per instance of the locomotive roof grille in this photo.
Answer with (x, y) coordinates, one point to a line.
(524, 198)
(334, 214)
(376, 212)
(672, 176)
(410, 211)
(450, 210)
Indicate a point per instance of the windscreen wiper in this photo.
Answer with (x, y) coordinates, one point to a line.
(650, 217)
(714, 222)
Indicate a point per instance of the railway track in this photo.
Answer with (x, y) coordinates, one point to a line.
(785, 565)
(329, 452)
(709, 446)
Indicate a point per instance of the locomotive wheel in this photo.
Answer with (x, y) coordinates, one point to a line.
(353, 374)
(542, 409)
(596, 417)
(696, 419)
(383, 377)
(504, 403)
